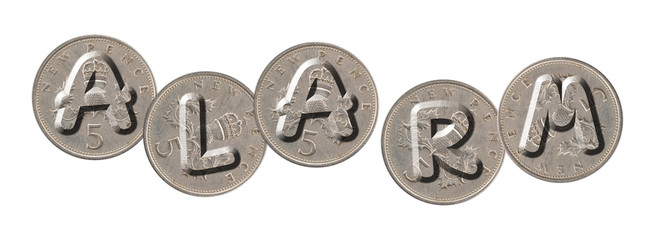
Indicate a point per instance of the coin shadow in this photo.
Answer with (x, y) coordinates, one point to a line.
(438, 164)
(353, 121)
(84, 109)
(132, 115)
(542, 141)
(597, 126)
(301, 125)
(233, 165)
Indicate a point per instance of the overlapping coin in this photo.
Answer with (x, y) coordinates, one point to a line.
(316, 104)
(440, 142)
(90, 96)
(201, 136)
(560, 119)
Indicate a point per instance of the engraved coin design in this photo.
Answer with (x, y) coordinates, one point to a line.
(90, 96)
(560, 119)
(201, 136)
(316, 104)
(440, 142)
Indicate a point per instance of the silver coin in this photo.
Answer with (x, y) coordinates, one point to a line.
(440, 142)
(560, 119)
(90, 96)
(200, 134)
(316, 104)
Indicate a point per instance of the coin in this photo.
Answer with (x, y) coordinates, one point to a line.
(440, 142)
(560, 119)
(90, 96)
(316, 104)
(200, 134)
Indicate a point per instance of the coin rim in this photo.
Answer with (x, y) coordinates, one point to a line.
(619, 122)
(39, 119)
(152, 159)
(300, 161)
(394, 176)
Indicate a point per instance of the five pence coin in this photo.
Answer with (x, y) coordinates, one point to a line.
(200, 134)
(440, 142)
(316, 104)
(90, 97)
(560, 119)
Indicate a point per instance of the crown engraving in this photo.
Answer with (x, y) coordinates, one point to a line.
(97, 69)
(225, 127)
(324, 82)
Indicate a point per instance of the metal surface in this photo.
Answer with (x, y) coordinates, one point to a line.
(316, 104)
(440, 142)
(200, 134)
(560, 119)
(90, 96)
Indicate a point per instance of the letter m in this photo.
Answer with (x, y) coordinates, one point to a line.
(561, 105)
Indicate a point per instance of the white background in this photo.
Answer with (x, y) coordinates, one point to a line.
(47, 193)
